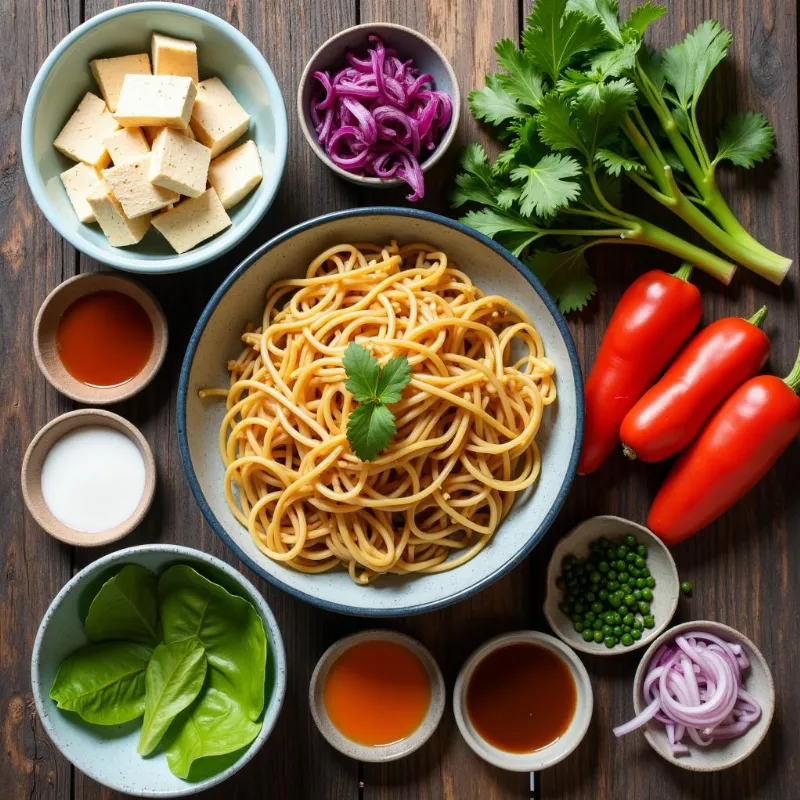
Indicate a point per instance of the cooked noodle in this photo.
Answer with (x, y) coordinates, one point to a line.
(466, 424)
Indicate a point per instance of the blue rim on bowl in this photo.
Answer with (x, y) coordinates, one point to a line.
(130, 260)
(232, 579)
(192, 476)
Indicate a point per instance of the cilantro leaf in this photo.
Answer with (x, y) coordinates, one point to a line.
(688, 65)
(493, 103)
(524, 81)
(526, 148)
(476, 183)
(612, 63)
(508, 196)
(553, 36)
(643, 17)
(362, 370)
(546, 186)
(565, 276)
(617, 163)
(370, 428)
(604, 10)
(394, 377)
(598, 127)
(556, 126)
(650, 62)
(745, 140)
(491, 222)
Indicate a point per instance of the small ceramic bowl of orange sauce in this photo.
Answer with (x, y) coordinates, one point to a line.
(377, 695)
(523, 701)
(100, 338)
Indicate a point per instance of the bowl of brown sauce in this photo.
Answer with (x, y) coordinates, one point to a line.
(523, 701)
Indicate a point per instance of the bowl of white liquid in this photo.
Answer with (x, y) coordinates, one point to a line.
(88, 477)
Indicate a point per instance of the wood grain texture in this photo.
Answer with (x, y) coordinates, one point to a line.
(742, 567)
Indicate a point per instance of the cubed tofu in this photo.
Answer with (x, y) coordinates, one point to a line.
(164, 100)
(192, 221)
(217, 118)
(118, 228)
(236, 173)
(179, 163)
(79, 182)
(174, 57)
(125, 145)
(151, 131)
(133, 189)
(81, 139)
(110, 72)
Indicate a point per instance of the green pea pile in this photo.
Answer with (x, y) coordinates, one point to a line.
(607, 596)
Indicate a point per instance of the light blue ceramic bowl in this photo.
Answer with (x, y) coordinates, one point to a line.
(65, 77)
(108, 753)
(217, 338)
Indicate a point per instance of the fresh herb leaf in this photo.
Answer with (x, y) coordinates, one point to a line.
(604, 10)
(745, 140)
(493, 103)
(598, 128)
(547, 187)
(491, 222)
(370, 428)
(125, 608)
(566, 276)
(617, 163)
(362, 371)
(523, 81)
(476, 183)
(557, 127)
(103, 683)
(613, 63)
(688, 65)
(394, 377)
(553, 36)
(643, 17)
(174, 678)
(507, 196)
(650, 63)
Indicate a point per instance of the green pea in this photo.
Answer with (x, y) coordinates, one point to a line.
(597, 608)
(588, 635)
(595, 577)
(642, 550)
(607, 630)
(647, 594)
(641, 583)
(651, 582)
(603, 566)
(649, 621)
(623, 577)
(579, 608)
(598, 636)
(597, 625)
(644, 607)
(618, 631)
(627, 619)
(631, 558)
(578, 627)
(630, 601)
(626, 639)
(622, 551)
(639, 562)
(589, 616)
(612, 575)
(614, 601)
(637, 625)
(637, 594)
(630, 540)
(603, 594)
(590, 597)
(686, 587)
(636, 634)
(610, 641)
(634, 573)
(626, 629)
(608, 617)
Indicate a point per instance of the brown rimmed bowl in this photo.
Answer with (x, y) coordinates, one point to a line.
(45, 329)
(408, 43)
(32, 476)
(377, 753)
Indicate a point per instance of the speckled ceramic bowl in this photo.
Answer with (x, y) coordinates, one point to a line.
(757, 681)
(389, 752)
(659, 561)
(108, 753)
(65, 77)
(240, 299)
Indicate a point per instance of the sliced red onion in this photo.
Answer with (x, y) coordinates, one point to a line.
(376, 115)
(694, 687)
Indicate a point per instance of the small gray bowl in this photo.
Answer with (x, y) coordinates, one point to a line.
(409, 44)
(108, 753)
(757, 681)
(659, 562)
(389, 752)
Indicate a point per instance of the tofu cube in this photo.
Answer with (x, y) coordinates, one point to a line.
(236, 173)
(81, 139)
(151, 131)
(125, 145)
(217, 118)
(174, 57)
(118, 228)
(192, 221)
(79, 182)
(164, 100)
(133, 189)
(110, 72)
(179, 163)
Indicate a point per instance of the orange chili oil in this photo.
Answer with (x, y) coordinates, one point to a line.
(521, 698)
(377, 693)
(104, 339)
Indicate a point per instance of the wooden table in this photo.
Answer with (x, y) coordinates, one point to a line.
(741, 568)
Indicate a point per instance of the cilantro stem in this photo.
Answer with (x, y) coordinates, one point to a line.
(601, 197)
(651, 140)
(645, 152)
(699, 144)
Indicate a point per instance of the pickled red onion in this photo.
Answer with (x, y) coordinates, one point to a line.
(694, 687)
(378, 116)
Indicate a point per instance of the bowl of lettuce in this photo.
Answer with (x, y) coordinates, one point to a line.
(158, 671)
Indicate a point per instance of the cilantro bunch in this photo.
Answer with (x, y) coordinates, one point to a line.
(582, 107)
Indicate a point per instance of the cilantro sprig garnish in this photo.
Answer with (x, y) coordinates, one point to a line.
(371, 425)
(583, 106)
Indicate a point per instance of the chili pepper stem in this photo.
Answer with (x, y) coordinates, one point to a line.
(684, 273)
(792, 380)
(629, 452)
(758, 318)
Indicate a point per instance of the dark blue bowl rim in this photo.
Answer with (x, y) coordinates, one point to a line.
(183, 384)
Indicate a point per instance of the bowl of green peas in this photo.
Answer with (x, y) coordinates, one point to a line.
(612, 586)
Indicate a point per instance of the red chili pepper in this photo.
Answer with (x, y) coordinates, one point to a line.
(741, 442)
(718, 360)
(654, 317)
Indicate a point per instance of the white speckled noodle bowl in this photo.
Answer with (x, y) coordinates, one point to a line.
(241, 299)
